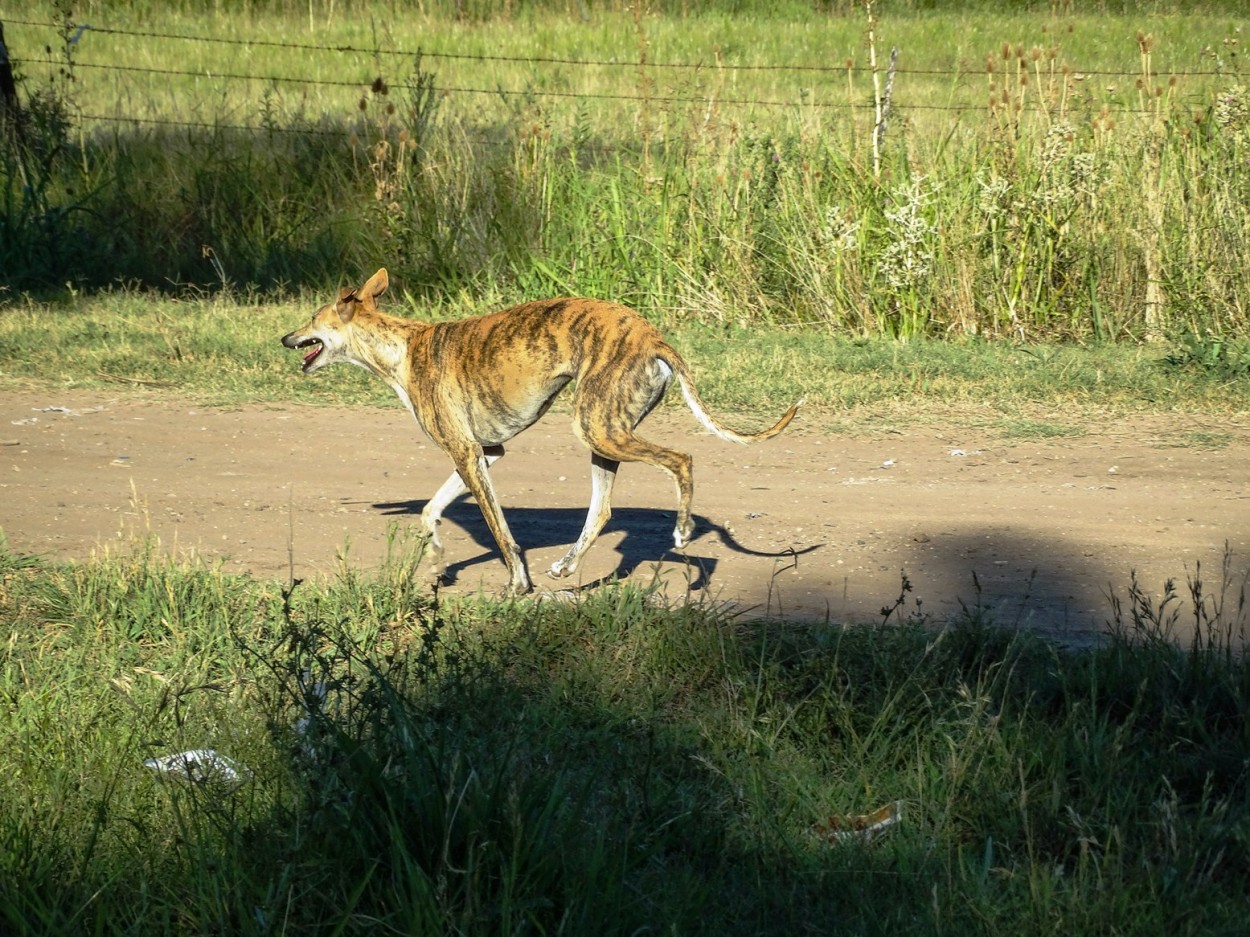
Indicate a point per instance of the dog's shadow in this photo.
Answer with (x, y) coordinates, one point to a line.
(648, 536)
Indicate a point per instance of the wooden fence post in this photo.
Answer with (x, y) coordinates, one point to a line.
(883, 110)
(10, 109)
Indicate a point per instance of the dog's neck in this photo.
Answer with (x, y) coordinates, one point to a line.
(381, 344)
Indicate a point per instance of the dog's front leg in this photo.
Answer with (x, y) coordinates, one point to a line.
(453, 488)
(472, 467)
(432, 513)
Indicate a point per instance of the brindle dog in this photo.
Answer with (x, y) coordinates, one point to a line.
(476, 383)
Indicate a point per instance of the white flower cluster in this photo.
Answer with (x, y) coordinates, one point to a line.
(1065, 174)
(1232, 112)
(908, 258)
(993, 197)
(838, 233)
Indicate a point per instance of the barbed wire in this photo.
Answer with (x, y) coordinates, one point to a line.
(555, 60)
(538, 60)
(452, 89)
(804, 100)
(205, 125)
(350, 131)
(205, 73)
(659, 99)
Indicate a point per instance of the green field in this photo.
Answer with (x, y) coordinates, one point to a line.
(420, 765)
(1060, 176)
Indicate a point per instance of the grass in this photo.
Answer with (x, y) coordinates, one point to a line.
(610, 766)
(1039, 429)
(1206, 439)
(735, 194)
(225, 351)
(605, 767)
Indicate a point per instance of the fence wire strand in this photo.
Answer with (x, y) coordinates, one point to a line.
(72, 33)
(554, 60)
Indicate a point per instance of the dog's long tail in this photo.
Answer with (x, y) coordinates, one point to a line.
(699, 409)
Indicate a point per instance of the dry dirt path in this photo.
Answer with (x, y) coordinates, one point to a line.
(806, 525)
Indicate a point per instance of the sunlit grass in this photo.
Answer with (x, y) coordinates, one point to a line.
(943, 60)
(1099, 197)
(226, 351)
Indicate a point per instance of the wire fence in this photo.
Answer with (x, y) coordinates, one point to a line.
(553, 60)
(69, 35)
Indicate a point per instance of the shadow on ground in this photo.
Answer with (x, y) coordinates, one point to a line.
(648, 538)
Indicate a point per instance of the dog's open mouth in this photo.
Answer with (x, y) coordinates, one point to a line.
(314, 347)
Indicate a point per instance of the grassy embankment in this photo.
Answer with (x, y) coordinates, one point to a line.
(606, 767)
(224, 352)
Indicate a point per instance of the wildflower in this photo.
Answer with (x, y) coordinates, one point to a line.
(992, 199)
(908, 259)
(839, 233)
(1232, 108)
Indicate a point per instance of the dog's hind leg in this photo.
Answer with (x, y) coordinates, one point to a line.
(602, 477)
(608, 407)
(448, 492)
(472, 462)
(627, 447)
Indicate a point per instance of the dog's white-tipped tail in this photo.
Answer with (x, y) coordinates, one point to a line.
(698, 408)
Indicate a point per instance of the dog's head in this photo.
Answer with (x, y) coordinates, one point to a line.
(328, 336)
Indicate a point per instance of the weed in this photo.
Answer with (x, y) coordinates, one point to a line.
(1220, 356)
(1038, 429)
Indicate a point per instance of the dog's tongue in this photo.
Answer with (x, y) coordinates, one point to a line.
(316, 350)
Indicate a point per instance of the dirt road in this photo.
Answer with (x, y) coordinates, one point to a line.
(806, 526)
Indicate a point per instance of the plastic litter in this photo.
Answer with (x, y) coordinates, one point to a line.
(54, 409)
(199, 766)
(314, 697)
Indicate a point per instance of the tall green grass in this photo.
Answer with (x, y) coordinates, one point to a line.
(1018, 193)
(608, 766)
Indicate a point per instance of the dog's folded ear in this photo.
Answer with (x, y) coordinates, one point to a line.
(346, 306)
(349, 296)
